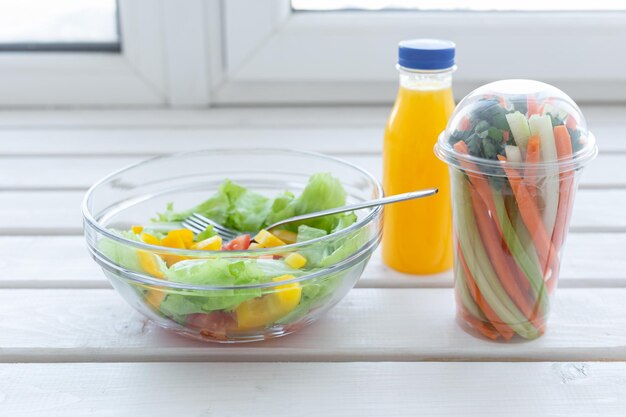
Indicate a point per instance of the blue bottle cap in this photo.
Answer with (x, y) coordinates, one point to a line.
(426, 54)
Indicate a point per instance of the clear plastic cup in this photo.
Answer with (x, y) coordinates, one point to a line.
(515, 150)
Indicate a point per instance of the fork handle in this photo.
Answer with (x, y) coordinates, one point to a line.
(357, 206)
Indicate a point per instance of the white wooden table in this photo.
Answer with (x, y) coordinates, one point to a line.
(69, 346)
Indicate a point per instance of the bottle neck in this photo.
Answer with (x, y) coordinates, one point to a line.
(425, 80)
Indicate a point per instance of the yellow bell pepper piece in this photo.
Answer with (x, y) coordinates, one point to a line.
(185, 235)
(265, 310)
(150, 239)
(174, 239)
(295, 260)
(147, 260)
(268, 240)
(286, 236)
(212, 243)
(149, 263)
(137, 229)
(155, 298)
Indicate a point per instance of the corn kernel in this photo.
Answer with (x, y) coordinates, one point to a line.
(137, 229)
(212, 243)
(295, 260)
(268, 240)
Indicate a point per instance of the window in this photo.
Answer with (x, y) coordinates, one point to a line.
(58, 25)
(196, 53)
(479, 5)
(95, 53)
(333, 51)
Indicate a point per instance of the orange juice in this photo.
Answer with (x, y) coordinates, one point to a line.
(417, 234)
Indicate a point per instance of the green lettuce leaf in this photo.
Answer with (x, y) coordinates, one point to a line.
(207, 233)
(323, 191)
(344, 247)
(309, 233)
(124, 255)
(221, 272)
(246, 211)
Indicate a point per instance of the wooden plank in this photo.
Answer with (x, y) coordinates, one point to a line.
(314, 389)
(74, 173)
(214, 117)
(80, 172)
(591, 260)
(156, 141)
(239, 116)
(369, 325)
(58, 212)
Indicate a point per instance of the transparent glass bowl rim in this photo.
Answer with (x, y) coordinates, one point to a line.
(447, 154)
(91, 222)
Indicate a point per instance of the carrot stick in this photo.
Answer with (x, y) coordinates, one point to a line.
(524, 261)
(480, 183)
(499, 324)
(521, 281)
(570, 122)
(465, 124)
(533, 156)
(530, 214)
(532, 107)
(564, 151)
(484, 328)
(463, 294)
(478, 262)
(497, 255)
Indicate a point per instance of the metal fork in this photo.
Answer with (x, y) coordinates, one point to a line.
(197, 223)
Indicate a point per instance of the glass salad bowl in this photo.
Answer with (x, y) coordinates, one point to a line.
(228, 295)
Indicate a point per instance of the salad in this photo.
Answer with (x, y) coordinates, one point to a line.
(218, 313)
(513, 186)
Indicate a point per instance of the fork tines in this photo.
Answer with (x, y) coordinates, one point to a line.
(197, 223)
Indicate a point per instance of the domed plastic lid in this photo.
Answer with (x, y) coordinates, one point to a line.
(500, 122)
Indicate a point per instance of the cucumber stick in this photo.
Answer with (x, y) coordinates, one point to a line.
(464, 293)
(527, 263)
(554, 111)
(542, 126)
(529, 267)
(480, 266)
(513, 154)
(519, 128)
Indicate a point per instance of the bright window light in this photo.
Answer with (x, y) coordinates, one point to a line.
(57, 24)
(476, 5)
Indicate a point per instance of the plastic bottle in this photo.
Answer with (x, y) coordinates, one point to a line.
(417, 236)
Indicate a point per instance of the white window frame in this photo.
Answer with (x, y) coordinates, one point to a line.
(199, 53)
(163, 62)
(272, 55)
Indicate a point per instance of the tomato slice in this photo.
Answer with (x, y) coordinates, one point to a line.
(239, 243)
(212, 325)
